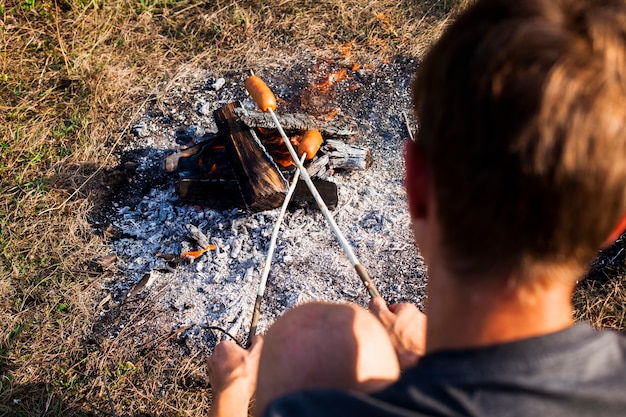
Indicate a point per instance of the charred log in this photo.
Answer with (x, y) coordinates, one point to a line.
(338, 126)
(233, 168)
(326, 189)
(318, 167)
(343, 156)
(262, 185)
(217, 194)
(206, 160)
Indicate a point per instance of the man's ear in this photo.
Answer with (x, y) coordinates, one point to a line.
(617, 232)
(417, 180)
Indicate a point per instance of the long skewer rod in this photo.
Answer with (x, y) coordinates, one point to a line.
(360, 270)
(270, 253)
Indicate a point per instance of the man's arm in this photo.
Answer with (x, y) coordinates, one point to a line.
(233, 375)
(406, 326)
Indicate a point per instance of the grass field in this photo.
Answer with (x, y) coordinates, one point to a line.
(73, 75)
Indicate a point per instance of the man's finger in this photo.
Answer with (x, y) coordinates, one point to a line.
(378, 308)
(377, 305)
(223, 346)
(257, 343)
(394, 308)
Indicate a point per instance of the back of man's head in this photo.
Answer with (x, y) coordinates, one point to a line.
(522, 113)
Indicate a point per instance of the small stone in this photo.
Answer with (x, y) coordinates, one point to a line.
(204, 109)
(140, 129)
(249, 275)
(219, 83)
(351, 292)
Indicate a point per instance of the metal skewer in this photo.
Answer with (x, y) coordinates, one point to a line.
(360, 270)
(270, 253)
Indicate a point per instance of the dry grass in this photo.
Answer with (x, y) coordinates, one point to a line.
(601, 298)
(73, 73)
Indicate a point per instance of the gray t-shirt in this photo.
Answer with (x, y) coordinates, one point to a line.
(574, 372)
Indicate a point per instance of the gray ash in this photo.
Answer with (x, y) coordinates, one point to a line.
(218, 288)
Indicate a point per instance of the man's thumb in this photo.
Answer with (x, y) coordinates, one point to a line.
(378, 307)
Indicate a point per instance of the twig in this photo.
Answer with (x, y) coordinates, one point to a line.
(110, 401)
(270, 253)
(171, 336)
(106, 413)
(618, 254)
(60, 38)
(227, 334)
(408, 126)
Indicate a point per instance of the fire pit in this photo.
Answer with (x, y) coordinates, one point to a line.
(246, 164)
(161, 214)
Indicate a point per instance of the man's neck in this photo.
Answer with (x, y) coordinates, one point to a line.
(462, 315)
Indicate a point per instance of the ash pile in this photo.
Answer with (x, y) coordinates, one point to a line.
(185, 261)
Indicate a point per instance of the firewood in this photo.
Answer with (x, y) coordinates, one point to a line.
(318, 167)
(216, 194)
(232, 168)
(262, 185)
(338, 126)
(343, 156)
(206, 160)
(327, 190)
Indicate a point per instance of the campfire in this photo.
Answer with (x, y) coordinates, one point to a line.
(191, 245)
(246, 164)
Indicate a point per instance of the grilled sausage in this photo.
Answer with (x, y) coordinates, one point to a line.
(261, 93)
(310, 143)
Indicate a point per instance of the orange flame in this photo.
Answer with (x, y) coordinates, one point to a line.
(331, 79)
(192, 255)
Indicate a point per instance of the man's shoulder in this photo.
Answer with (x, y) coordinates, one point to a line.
(568, 373)
(575, 372)
(558, 351)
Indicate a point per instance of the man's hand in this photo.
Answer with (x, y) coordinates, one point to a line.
(407, 329)
(233, 375)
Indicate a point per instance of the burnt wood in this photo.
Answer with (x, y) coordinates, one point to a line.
(318, 167)
(232, 169)
(327, 190)
(338, 126)
(217, 194)
(225, 194)
(262, 185)
(206, 160)
(343, 156)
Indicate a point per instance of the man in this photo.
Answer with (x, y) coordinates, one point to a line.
(515, 181)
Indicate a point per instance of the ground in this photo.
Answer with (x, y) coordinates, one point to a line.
(75, 78)
(219, 288)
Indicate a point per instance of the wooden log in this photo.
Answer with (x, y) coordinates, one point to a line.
(173, 161)
(327, 190)
(225, 194)
(206, 160)
(318, 167)
(262, 185)
(216, 194)
(343, 156)
(338, 126)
